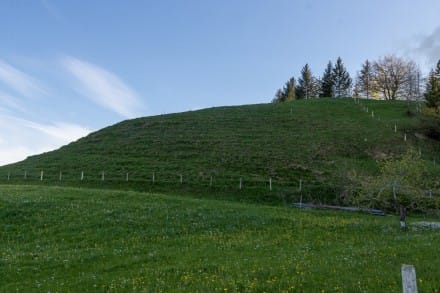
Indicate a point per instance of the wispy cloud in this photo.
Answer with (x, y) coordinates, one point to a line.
(9, 102)
(20, 82)
(34, 137)
(425, 49)
(103, 87)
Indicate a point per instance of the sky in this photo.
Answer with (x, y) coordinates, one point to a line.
(68, 68)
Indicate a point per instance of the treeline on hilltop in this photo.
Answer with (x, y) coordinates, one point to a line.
(388, 78)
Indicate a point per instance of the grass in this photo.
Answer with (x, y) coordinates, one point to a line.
(61, 239)
(317, 141)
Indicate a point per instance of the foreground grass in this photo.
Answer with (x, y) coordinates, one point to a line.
(67, 239)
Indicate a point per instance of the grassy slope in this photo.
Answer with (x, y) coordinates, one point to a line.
(80, 240)
(318, 142)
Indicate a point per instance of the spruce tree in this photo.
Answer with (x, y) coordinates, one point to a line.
(327, 81)
(289, 89)
(307, 84)
(365, 79)
(432, 94)
(342, 79)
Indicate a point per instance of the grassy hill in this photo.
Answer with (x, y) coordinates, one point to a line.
(315, 141)
(58, 239)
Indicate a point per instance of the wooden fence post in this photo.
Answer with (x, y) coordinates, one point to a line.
(409, 281)
(82, 175)
(41, 175)
(241, 184)
(270, 184)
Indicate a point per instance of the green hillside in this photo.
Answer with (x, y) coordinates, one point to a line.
(315, 141)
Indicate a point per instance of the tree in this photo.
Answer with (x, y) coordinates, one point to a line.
(365, 79)
(400, 186)
(307, 84)
(287, 93)
(432, 94)
(279, 97)
(341, 79)
(391, 76)
(327, 81)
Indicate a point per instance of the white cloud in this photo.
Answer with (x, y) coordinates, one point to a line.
(20, 82)
(11, 103)
(20, 138)
(103, 87)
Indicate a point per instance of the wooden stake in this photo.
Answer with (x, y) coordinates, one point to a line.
(270, 184)
(240, 183)
(9, 175)
(82, 175)
(154, 179)
(126, 177)
(395, 128)
(61, 175)
(102, 176)
(41, 175)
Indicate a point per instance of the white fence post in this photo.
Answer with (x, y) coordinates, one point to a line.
(154, 177)
(9, 175)
(25, 174)
(270, 184)
(395, 128)
(241, 184)
(409, 281)
(61, 175)
(41, 175)
(126, 177)
(102, 176)
(82, 175)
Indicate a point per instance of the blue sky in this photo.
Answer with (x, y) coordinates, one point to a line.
(71, 67)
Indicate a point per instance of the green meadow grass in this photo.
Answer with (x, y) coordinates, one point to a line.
(60, 239)
(317, 141)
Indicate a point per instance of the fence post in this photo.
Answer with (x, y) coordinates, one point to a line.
(409, 281)
(41, 175)
(241, 183)
(9, 175)
(154, 179)
(25, 174)
(210, 183)
(270, 184)
(181, 179)
(126, 177)
(102, 176)
(61, 175)
(395, 128)
(82, 175)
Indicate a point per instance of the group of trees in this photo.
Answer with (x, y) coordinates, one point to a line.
(432, 94)
(335, 82)
(389, 78)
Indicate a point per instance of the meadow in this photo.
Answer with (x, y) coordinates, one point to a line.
(63, 239)
(316, 141)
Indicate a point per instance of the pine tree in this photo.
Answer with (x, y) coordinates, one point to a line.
(289, 89)
(365, 79)
(327, 81)
(287, 93)
(279, 97)
(342, 79)
(432, 94)
(307, 84)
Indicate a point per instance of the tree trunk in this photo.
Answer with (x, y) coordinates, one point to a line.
(402, 217)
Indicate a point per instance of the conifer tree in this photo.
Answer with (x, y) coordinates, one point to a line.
(342, 80)
(287, 93)
(365, 79)
(432, 94)
(327, 81)
(307, 84)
